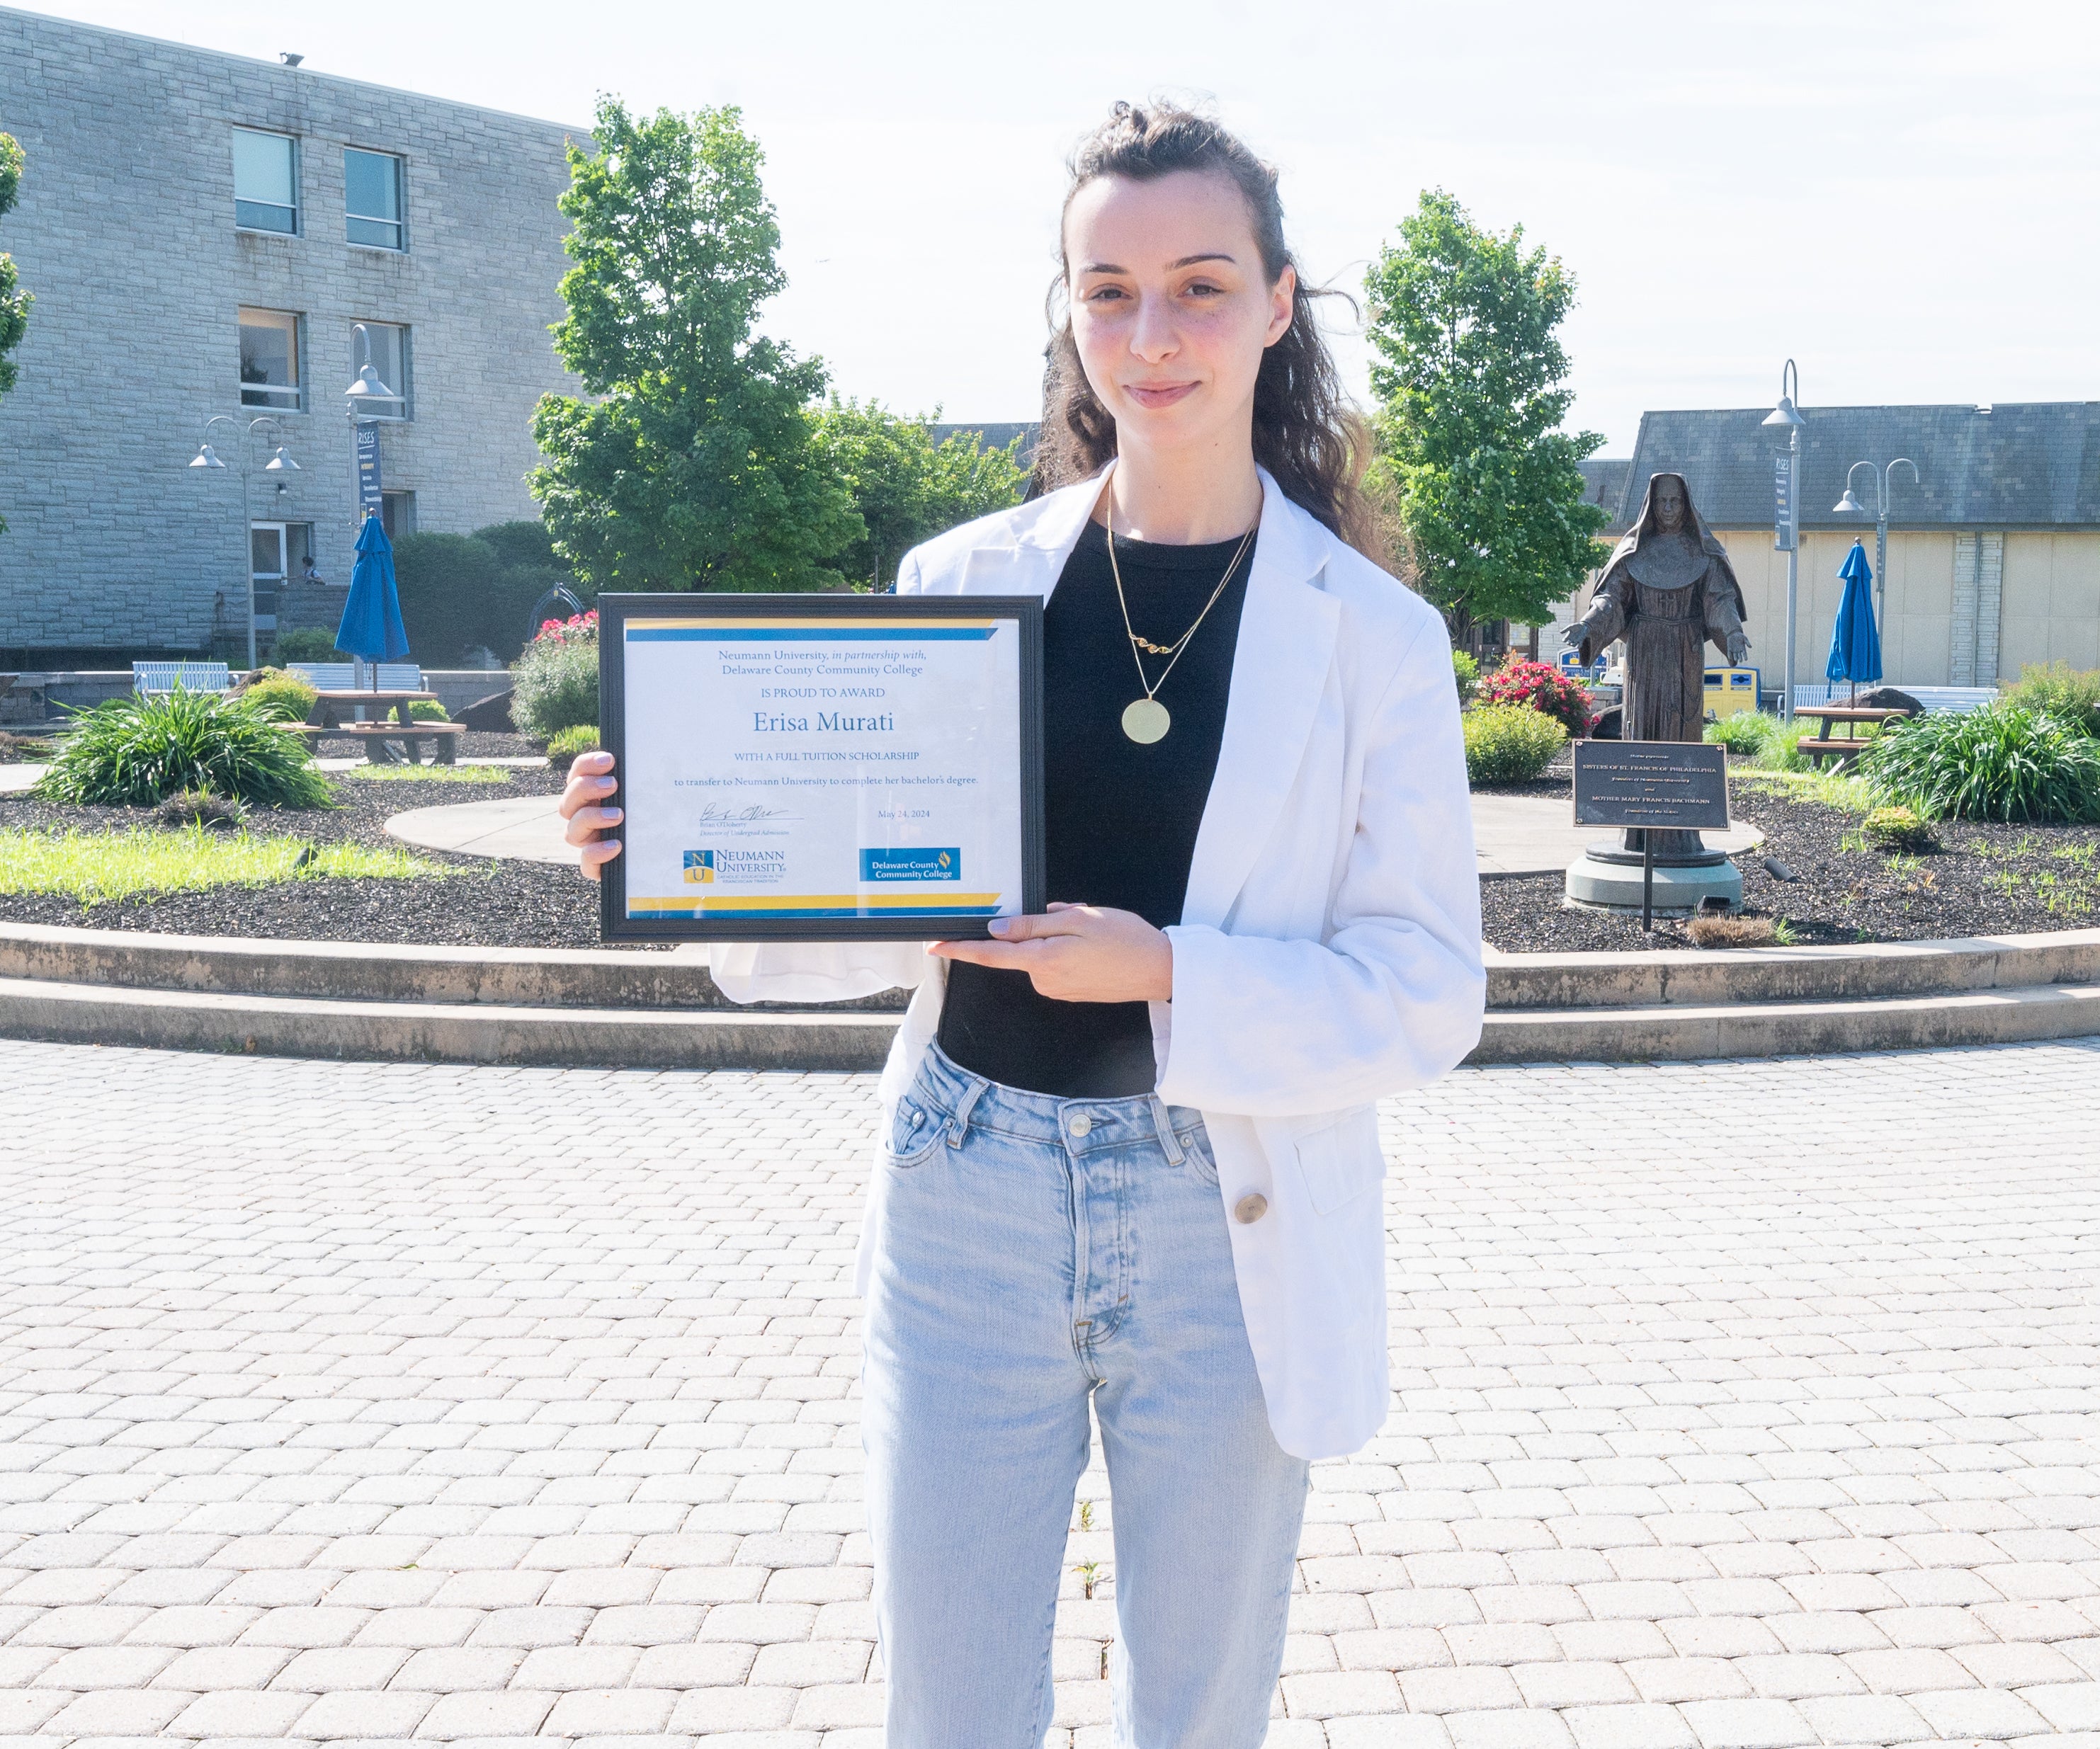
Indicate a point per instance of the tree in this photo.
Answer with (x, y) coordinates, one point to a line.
(693, 468)
(461, 591)
(904, 485)
(1471, 400)
(14, 302)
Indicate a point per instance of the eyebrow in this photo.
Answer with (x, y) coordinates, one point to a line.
(1186, 261)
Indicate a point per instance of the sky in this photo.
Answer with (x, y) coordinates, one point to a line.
(1903, 198)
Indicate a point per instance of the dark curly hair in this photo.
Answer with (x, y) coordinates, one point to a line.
(1305, 431)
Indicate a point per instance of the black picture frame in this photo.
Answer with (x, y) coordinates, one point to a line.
(1025, 611)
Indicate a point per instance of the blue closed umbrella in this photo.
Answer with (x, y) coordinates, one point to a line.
(1855, 646)
(372, 617)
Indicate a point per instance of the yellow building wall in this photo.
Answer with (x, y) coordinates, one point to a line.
(2051, 601)
(2050, 610)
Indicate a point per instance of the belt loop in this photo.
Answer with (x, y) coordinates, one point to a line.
(1164, 1125)
(959, 1120)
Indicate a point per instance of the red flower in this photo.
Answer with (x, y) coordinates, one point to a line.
(1545, 689)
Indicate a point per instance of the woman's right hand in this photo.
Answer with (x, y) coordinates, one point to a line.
(586, 806)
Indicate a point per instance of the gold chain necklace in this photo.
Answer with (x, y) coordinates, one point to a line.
(1146, 719)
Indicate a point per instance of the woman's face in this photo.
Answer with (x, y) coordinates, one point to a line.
(1171, 309)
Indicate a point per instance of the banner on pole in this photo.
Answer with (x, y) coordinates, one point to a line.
(1783, 524)
(368, 467)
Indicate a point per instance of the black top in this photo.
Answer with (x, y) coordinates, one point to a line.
(1120, 818)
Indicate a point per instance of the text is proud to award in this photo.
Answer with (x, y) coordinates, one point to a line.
(822, 768)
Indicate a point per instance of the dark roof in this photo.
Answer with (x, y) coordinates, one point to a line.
(2017, 465)
(1606, 478)
(992, 437)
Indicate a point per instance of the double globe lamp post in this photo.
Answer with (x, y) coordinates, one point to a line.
(367, 395)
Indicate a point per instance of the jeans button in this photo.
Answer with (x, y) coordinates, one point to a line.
(1250, 1209)
(1081, 1125)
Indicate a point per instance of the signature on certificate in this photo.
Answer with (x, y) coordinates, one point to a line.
(754, 813)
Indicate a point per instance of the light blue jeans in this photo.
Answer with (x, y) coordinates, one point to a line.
(1035, 1254)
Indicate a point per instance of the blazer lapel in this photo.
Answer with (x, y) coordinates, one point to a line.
(1035, 560)
(1280, 663)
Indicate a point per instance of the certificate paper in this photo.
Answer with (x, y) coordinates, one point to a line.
(822, 768)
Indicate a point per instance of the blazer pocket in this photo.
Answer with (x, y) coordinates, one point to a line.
(1341, 1160)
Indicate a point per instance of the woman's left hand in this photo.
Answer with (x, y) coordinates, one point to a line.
(1077, 953)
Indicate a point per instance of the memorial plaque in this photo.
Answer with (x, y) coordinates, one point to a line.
(1657, 784)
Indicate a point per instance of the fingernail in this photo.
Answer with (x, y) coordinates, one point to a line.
(612, 813)
(999, 925)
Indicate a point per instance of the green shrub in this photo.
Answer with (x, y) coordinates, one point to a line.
(137, 752)
(285, 697)
(1747, 733)
(1510, 743)
(567, 743)
(428, 710)
(201, 808)
(2059, 689)
(2004, 762)
(308, 644)
(1898, 829)
(555, 684)
(1466, 671)
(1780, 753)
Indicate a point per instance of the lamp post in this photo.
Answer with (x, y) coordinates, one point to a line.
(1851, 506)
(1782, 414)
(367, 396)
(280, 464)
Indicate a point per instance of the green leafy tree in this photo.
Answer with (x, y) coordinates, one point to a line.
(14, 301)
(1468, 376)
(460, 591)
(905, 487)
(692, 466)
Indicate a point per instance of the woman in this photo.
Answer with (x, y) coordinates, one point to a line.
(1129, 1153)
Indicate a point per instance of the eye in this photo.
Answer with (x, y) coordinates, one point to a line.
(1102, 293)
(1205, 289)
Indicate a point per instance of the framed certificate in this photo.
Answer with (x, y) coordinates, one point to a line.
(822, 768)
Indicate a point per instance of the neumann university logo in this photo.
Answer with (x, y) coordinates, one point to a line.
(933, 864)
(747, 868)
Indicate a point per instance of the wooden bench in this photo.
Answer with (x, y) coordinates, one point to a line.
(443, 739)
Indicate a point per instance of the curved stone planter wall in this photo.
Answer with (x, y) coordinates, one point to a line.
(662, 1010)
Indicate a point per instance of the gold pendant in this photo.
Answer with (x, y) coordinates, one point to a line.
(1145, 721)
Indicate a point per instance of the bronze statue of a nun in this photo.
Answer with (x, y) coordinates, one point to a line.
(1667, 589)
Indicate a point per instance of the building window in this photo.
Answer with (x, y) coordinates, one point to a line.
(372, 186)
(397, 513)
(266, 182)
(270, 360)
(389, 363)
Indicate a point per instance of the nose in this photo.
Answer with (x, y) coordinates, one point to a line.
(1152, 335)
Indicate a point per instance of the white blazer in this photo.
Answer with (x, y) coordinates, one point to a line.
(1329, 949)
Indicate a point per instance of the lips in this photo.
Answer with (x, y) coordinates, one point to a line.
(1161, 395)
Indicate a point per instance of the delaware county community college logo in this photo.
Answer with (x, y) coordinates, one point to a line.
(933, 864)
(700, 867)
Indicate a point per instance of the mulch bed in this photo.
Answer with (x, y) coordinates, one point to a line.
(1985, 879)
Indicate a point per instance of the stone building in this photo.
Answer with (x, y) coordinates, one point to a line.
(1994, 552)
(200, 232)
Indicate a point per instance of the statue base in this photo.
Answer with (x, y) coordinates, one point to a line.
(1596, 885)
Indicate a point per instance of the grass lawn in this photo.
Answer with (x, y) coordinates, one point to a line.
(424, 774)
(92, 867)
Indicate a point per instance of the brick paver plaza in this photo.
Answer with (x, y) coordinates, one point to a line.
(1737, 1404)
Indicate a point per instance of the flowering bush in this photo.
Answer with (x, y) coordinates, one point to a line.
(555, 683)
(1545, 689)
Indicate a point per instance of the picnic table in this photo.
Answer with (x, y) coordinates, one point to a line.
(1839, 747)
(330, 708)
